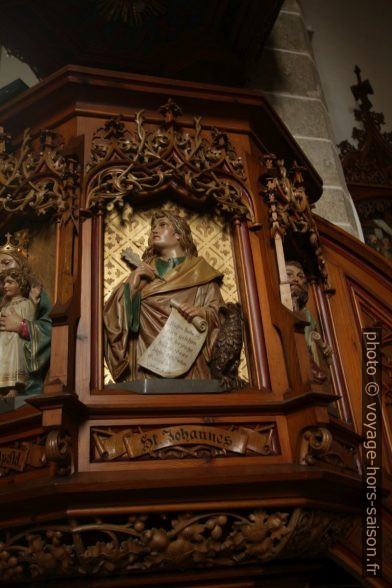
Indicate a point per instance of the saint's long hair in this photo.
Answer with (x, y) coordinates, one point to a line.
(180, 226)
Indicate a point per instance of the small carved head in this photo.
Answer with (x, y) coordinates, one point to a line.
(298, 284)
(9, 279)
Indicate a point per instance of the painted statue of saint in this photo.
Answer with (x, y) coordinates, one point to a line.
(34, 333)
(138, 308)
(14, 374)
(315, 343)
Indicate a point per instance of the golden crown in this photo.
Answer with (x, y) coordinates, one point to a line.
(16, 243)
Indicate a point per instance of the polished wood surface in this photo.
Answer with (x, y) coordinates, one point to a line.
(290, 475)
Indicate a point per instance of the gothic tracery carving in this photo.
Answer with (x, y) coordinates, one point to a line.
(141, 161)
(289, 209)
(38, 179)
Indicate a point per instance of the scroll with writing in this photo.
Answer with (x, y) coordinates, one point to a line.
(177, 346)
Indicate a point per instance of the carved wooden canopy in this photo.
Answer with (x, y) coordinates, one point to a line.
(201, 40)
(144, 161)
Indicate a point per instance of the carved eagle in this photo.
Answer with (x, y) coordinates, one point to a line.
(227, 349)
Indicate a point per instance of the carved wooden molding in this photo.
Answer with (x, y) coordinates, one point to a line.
(319, 447)
(38, 179)
(185, 441)
(126, 163)
(159, 542)
(58, 449)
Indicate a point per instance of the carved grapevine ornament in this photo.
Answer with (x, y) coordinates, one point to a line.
(151, 542)
(143, 161)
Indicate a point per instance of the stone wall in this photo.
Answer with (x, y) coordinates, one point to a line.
(287, 74)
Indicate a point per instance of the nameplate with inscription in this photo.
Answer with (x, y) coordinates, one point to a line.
(128, 443)
(31, 454)
(13, 459)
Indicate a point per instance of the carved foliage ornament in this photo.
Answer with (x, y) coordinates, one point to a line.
(38, 179)
(135, 162)
(159, 542)
(289, 209)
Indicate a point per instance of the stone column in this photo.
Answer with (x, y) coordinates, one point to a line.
(287, 75)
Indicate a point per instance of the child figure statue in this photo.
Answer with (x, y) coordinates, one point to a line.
(15, 288)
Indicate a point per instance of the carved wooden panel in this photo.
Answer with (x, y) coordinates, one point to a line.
(183, 441)
(371, 313)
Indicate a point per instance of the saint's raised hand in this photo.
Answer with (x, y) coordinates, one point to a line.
(143, 273)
